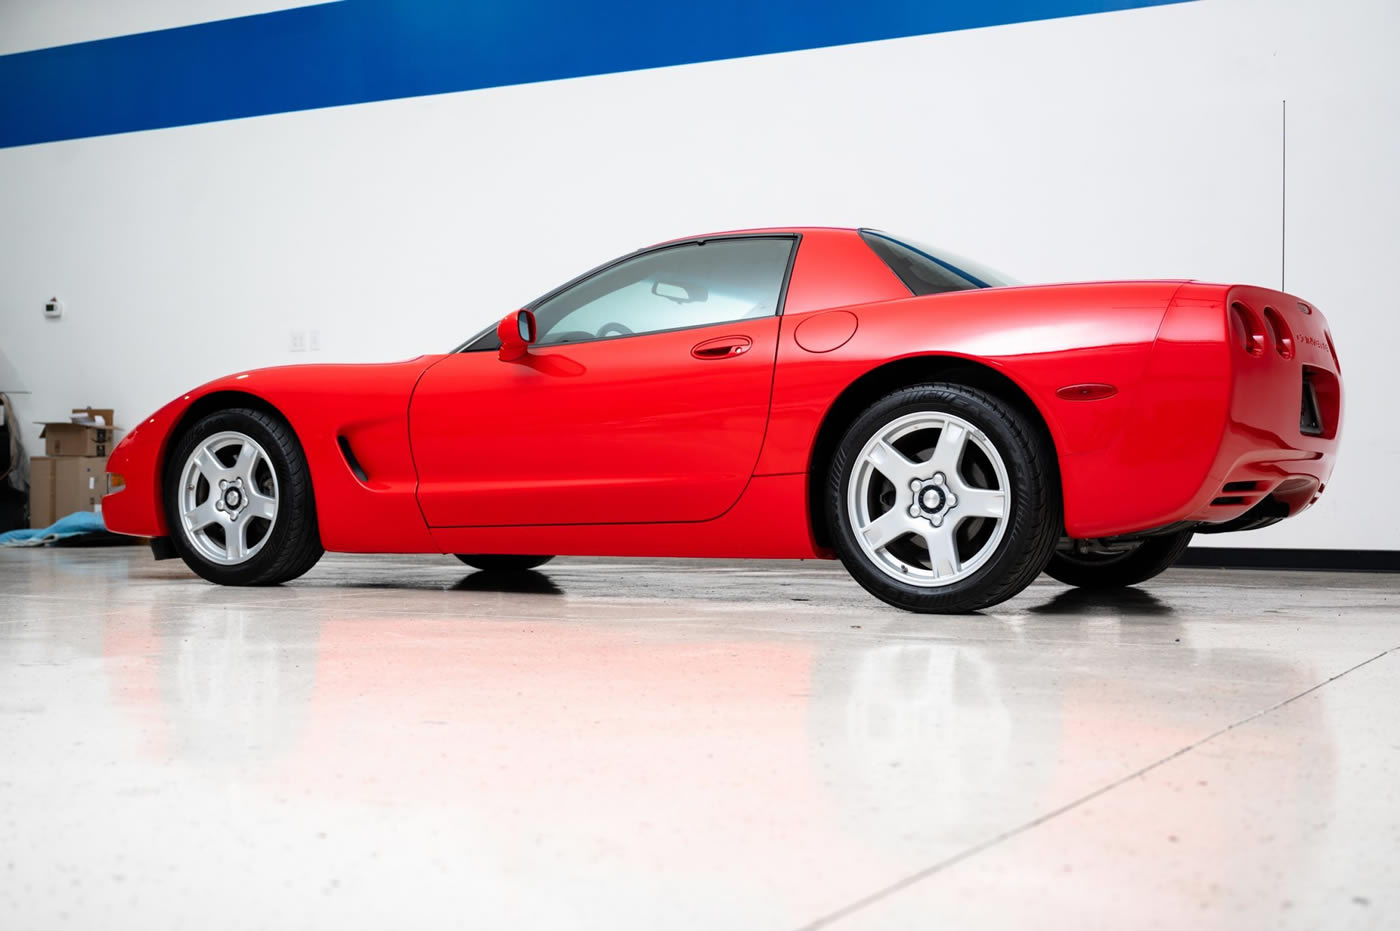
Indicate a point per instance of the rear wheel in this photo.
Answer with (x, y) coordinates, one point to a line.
(1116, 565)
(495, 562)
(943, 499)
(238, 500)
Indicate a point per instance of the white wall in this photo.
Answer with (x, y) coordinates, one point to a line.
(1143, 143)
(33, 24)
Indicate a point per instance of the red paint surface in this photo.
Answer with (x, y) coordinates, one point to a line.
(640, 446)
(826, 331)
(620, 430)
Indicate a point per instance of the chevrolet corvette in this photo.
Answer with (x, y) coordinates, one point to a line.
(807, 393)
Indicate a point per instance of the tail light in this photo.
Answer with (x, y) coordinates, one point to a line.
(1283, 336)
(1252, 331)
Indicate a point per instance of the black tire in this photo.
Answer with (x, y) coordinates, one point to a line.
(496, 562)
(1151, 557)
(1031, 528)
(292, 541)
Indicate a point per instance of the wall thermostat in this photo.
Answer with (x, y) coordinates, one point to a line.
(53, 308)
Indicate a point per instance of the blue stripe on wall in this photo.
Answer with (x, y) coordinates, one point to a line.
(363, 50)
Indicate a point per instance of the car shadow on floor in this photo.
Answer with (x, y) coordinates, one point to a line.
(1125, 602)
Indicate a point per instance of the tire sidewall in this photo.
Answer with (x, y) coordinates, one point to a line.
(1029, 487)
(255, 569)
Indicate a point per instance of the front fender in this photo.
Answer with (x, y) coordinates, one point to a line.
(366, 405)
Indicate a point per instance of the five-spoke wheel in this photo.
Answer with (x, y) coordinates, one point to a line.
(943, 498)
(929, 498)
(228, 498)
(238, 500)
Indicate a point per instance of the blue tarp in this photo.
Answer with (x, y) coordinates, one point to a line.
(71, 526)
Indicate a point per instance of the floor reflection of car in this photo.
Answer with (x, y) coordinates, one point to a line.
(909, 748)
(941, 746)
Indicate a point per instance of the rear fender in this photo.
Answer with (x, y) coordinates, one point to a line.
(1042, 339)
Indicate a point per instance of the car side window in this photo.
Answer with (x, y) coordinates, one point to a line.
(925, 270)
(682, 286)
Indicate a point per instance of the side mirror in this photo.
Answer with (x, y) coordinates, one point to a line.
(516, 332)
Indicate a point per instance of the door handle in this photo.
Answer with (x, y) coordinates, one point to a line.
(722, 347)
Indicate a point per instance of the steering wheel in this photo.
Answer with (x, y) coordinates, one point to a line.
(607, 328)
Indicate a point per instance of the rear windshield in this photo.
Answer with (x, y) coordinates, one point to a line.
(925, 270)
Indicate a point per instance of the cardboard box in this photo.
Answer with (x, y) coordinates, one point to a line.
(64, 485)
(88, 433)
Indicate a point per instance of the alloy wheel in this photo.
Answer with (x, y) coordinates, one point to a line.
(228, 498)
(929, 499)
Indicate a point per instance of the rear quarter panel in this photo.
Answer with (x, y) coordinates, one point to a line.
(1041, 338)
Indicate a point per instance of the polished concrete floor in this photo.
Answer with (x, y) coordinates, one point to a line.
(397, 743)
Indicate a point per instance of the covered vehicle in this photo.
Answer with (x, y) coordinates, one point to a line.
(779, 393)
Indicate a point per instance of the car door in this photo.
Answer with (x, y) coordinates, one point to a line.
(644, 399)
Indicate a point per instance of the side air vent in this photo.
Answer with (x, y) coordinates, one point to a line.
(1226, 501)
(350, 459)
(1240, 486)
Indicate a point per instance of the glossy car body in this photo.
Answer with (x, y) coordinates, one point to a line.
(1168, 402)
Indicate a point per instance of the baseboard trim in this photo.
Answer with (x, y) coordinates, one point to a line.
(1211, 557)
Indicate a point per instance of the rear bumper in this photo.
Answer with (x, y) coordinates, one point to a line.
(1216, 428)
(1284, 419)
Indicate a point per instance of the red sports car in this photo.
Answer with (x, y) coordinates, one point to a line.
(786, 393)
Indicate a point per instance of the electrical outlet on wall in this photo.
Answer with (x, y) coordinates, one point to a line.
(313, 342)
(298, 341)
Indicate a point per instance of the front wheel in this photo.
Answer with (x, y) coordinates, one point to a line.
(495, 562)
(238, 500)
(943, 499)
(1117, 566)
